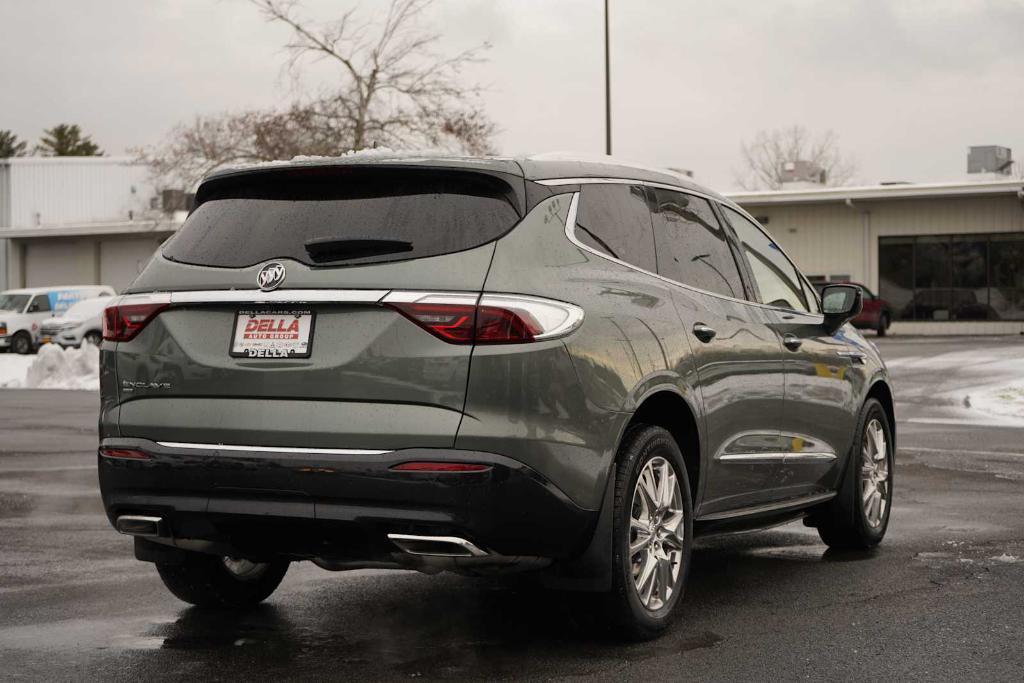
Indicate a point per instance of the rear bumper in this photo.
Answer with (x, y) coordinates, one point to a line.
(340, 507)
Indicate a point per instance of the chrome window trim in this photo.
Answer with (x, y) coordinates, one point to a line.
(270, 449)
(555, 182)
(570, 225)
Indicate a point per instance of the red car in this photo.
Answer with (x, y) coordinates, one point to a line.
(876, 314)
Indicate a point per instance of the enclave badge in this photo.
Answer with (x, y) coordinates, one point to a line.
(270, 276)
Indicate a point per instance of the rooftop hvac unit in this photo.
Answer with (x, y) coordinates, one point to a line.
(800, 171)
(176, 200)
(989, 159)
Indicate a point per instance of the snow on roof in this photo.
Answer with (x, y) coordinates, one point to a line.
(864, 192)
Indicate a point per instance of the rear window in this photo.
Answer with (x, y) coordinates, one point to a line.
(329, 217)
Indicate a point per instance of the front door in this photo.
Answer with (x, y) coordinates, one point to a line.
(816, 426)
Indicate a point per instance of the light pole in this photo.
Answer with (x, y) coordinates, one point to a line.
(607, 88)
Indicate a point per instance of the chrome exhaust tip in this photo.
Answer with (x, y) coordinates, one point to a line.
(140, 525)
(436, 546)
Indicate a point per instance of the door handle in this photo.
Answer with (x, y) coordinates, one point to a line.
(792, 342)
(703, 332)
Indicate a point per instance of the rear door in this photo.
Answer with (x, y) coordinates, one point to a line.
(738, 358)
(318, 360)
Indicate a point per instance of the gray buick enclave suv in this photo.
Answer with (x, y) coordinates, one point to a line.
(480, 365)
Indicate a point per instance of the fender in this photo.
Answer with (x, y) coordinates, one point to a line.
(592, 570)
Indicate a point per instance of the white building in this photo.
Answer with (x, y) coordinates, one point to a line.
(948, 257)
(77, 220)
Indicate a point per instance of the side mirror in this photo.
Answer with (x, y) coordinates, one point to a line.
(840, 304)
(33, 308)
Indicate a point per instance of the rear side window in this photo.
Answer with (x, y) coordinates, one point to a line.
(616, 220)
(330, 217)
(692, 246)
(777, 278)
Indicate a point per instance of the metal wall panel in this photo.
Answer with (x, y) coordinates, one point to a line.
(58, 191)
(828, 239)
(122, 259)
(52, 262)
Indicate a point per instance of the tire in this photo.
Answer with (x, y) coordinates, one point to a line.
(883, 325)
(847, 522)
(21, 343)
(93, 338)
(647, 451)
(207, 581)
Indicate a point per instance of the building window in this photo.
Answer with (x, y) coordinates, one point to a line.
(953, 277)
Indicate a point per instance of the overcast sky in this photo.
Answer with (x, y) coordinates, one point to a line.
(907, 86)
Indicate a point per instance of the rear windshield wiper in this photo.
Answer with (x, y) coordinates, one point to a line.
(326, 249)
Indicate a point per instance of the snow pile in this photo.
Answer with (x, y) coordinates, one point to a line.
(12, 370)
(57, 368)
(1007, 401)
(996, 391)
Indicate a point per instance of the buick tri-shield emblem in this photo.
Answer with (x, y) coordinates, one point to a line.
(270, 276)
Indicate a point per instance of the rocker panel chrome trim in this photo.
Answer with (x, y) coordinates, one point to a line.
(781, 506)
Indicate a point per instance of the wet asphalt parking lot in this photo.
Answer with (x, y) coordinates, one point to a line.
(942, 598)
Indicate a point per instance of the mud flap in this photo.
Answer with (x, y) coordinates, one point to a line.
(592, 570)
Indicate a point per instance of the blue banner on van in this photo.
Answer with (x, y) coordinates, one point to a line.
(62, 299)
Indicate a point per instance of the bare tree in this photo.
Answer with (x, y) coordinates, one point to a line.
(393, 87)
(392, 90)
(765, 156)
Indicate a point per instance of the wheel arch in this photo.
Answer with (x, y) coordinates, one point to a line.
(670, 410)
(881, 391)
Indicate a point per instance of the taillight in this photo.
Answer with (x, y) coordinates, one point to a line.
(489, 319)
(451, 322)
(121, 322)
(123, 453)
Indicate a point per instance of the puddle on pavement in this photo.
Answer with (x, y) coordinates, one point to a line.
(808, 553)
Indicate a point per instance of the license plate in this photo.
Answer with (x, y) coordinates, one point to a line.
(272, 334)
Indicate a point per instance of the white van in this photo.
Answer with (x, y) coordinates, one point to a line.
(22, 310)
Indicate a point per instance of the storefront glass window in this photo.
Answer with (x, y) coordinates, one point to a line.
(953, 277)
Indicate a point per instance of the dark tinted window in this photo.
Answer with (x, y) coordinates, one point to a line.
(342, 218)
(777, 278)
(692, 246)
(616, 220)
(40, 304)
(953, 277)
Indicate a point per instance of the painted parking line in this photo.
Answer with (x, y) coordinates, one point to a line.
(963, 422)
(957, 451)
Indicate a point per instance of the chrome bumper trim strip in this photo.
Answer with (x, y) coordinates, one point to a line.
(270, 449)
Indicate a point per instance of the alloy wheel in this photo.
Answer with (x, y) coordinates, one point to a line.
(875, 486)
(656, 533)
